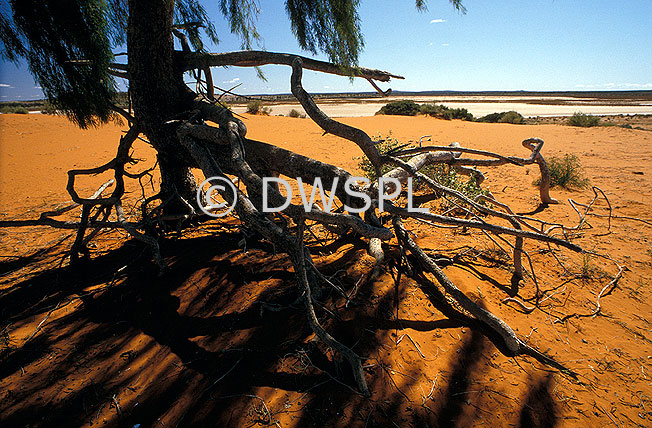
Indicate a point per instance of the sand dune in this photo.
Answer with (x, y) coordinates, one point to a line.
(157, 345)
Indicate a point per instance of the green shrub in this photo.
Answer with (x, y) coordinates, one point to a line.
(400, 108)
(503, 117)
(491, 118)
(443, 112)
(461, 113)
(441, 173)
(296, 113)
(583, 120)
(566, 172)
(14, 110)
(384, 146)
(256, 107)
(447, 176)
(512, 117)
(435, 110)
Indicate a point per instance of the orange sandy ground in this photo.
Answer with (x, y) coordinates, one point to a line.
(207, 344)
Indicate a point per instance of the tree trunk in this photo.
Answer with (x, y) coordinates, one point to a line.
(159, 94)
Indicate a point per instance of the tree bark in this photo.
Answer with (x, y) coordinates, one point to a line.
(159, 94)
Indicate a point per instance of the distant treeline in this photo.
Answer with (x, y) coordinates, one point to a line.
(44, 105)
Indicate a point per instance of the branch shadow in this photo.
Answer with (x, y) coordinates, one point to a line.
(202, 344)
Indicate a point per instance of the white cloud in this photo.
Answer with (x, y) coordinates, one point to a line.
(4, 85)
(437, 21)
(445, 44)
(232, 80)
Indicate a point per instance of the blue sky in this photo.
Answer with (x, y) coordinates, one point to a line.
(498, 45)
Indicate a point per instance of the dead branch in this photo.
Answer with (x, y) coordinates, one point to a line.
(508, 335)
(296, 250)
(302, 278)
(329, 125)
(513, 343)
(117, 164)
(534, 144)
(254, 183)
(258, 58)
(496, 229)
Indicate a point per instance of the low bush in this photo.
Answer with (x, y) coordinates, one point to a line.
(566, 172)
(14, 110)
(512, 117)
(583, 120)
(384, 146)
(296, 113)
(447, 176)
(442, 174)
(461, 113)
(435, 110)
(400, 108)
(256, 107)
(444, 112)
(503, 117)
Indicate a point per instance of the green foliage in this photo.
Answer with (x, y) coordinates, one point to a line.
(435, 110)
(566, 172)
(410, 108)
(400, 108)
(583, 120)
(447, 176)
(442, 173)
(457, 4)
(256, 107)
(384, 146)
(296, 113)
(331, 26)
(54, 36)
(192, 11)
(512, 117)
(444, 112)
(242, 17)
(503, 117)
(14, 110)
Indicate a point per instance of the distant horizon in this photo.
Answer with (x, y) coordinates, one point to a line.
(424, 92)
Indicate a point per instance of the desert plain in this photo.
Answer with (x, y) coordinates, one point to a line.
(214, 341)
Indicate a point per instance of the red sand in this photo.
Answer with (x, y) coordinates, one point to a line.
(121, 346)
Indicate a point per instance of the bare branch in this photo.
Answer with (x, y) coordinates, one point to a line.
(258, 58)
(329, 125)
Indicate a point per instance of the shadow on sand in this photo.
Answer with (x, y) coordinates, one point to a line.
(194, 346)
